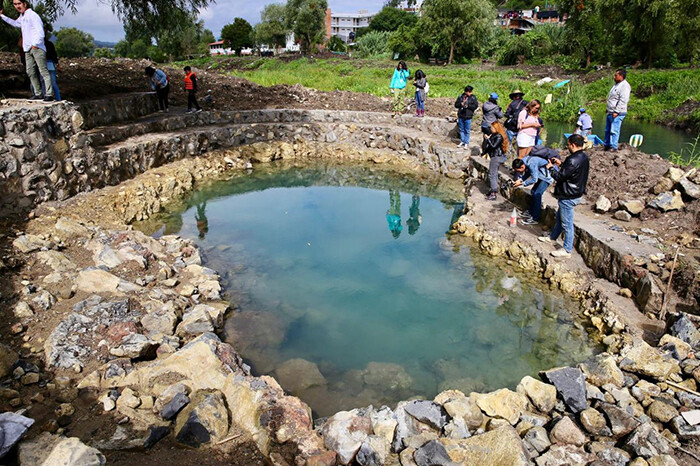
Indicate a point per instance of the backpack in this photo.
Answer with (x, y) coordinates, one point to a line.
(544, 152)
(511, 122)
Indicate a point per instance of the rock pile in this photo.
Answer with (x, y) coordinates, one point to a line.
(632, 405)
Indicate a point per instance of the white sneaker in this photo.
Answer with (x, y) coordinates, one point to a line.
(545, 239)
(560, 253)
(461, 144)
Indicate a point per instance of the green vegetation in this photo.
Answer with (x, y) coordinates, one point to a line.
(238, 35)
(72, 42)
(656, 93)
(271, 30)
(307, 19)
(373, 45)
(688, 156)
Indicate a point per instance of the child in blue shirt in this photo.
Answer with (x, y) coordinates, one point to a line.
(160, 84)
(534, 172)
(398, 85)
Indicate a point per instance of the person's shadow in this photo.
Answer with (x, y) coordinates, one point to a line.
(393, 215)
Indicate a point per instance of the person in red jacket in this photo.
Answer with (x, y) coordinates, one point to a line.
(191, 90)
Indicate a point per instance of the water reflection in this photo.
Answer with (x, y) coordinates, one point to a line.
(414, 218)
(393, 215)
(201, 218)
(350, 317)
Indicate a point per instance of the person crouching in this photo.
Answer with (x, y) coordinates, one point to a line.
(534, 173)
(495, 145)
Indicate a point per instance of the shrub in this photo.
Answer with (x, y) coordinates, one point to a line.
(374, 45)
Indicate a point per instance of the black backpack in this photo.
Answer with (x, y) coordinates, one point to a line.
(511, 122)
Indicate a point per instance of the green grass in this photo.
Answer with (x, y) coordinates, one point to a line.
(689, 155)
(654, 91)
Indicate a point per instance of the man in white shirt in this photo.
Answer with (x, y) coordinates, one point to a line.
(34, 48)
(618, 97)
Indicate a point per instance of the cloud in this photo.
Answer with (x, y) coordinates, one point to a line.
(96, 17)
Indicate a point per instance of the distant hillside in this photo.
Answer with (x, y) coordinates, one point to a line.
(101, 44)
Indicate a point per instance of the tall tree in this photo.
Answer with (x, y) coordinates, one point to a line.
(271, 30)
(72, 42)
(449, 23)
(238, 35)
(140, 10)
(307, 19)
(390, 19)
(585, 32)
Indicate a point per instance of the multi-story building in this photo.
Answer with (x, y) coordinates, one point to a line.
(343, 24)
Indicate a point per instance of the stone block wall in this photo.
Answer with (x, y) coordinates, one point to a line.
(118, 108)
(36, 145)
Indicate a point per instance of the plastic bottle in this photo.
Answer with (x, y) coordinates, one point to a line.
(514, 218)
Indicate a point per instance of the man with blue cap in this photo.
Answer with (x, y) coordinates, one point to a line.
(492, 111)
(584, 125)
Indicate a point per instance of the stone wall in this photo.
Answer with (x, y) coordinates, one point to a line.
(118, 108)
(36, 145)
(47, 153)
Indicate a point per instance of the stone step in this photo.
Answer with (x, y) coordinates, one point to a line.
(177, 120)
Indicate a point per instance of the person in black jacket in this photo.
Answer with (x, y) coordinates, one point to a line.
(495, 146)
(466, 104)
(516, 105)
(571, 179)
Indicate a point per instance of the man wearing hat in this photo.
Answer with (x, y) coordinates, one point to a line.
(492, 111)
(584, 125)
(517, 104)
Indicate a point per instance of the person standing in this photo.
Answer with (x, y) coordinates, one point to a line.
(495, 146)
(397, 86)
(191, 90)
(160, 84)
(618, 98)
(584, 125)
(33, 46)
(420, 82)
(492, 112)
(529, 124)
(571, 179)
(516, 105)
(466, 104)
(52, 66)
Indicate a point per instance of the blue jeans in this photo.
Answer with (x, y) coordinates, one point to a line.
(511, 135)
(565, 222)
(54, 85)
(465, 127)
(612, 129)
(536, 206)
(420, 103)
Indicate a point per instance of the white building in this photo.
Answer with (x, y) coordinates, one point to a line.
(218, 48)
(342, 24)
(291, 45)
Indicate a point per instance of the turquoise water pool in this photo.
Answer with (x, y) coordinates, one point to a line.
(355, 295)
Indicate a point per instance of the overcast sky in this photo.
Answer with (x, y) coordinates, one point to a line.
(95, 16)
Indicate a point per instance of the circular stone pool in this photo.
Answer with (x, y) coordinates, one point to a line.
(349, 291)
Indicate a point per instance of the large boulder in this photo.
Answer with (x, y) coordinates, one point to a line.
(344, 433)
(459, 406)
(500, 446)
(646, 442)
(571, 385)
(53, 450)
(93, 280)
(427, 412)
(621, 422)
(204, 419)
(639, 357)
(565, 432)
(602, 369)
(503, 403)
(543, 396)
(12, 428)
(690, 189)
(560, 455)
(297, 375)
(668, 201)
